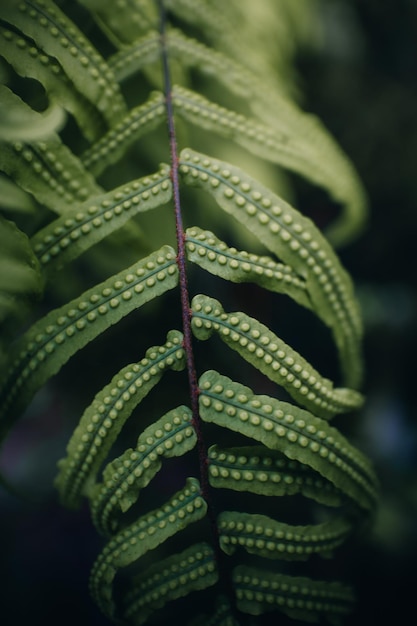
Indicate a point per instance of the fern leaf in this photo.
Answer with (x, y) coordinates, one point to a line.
(235, 77)
(104, 418)
(294, 239)
(82, 227)
(190, 52)
(48, 345)
(20, 122)
(125, 24)
(288, 135)
(184, 508)
(264, 536)
(272, 356)
(50, 172)
(292, 431)
(20, 277)
(54, 32)
(123, 479)
(216, 25)
(238, 266)
(267, 472)
(298, 143)
(287, 147)
(14, 200)
(193, 569)
(29, 60)
(259, 591)
(144, 51)
(114, 144)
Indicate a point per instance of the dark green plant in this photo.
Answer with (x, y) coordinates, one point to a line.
(89, 117)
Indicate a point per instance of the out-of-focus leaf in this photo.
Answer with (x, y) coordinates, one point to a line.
(19, 122)
(20, 275)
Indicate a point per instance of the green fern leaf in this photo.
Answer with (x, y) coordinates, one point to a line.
(48, 345)
(193, 569)
(294, 239)
(267, 472)
(272, 356)
(259, 591)
(83, 226)
(104, 418)
(184, 508)
(29, 60)
(115, 143)
(286, 146)
(20, 277)
(20, 122)
(264, 536)
(216, 25)
(293, 138)
(238, 266)
(54, 32)
(294, 432)
(126, 23)
(50, 172)
(128, 60)
(14, 200)
(123, 479)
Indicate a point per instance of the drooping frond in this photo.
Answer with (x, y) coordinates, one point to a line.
(84, 82)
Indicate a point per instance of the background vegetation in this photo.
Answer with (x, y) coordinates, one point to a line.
(364, 85)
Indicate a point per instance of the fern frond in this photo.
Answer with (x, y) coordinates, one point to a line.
(114, 144)
(291, 449)
(14, 200)
(294, 239)
(294, 432)
(20, 122)
(217, 26)
(50, 172)
(148, 532)
(30, 60)
(48, 345)
(128, 60)
(269, 473)
(259, 591)
(85, 225)
(123, 25)
(59, 37)
(212, 254)
(269, 354)
(124, 478)
(287, 146)
(193, 569)
(265, 537)
(20, 277)
(102, 421)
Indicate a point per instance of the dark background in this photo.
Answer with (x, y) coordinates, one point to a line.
(363, 85)
(365, 88)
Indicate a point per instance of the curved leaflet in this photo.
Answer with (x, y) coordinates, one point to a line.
(48, 345)
(171, 436)
(104, 418)
(294, 432)
(185, 507)
(294, 239)
(193, 569)
(67, 237)
(272, 356)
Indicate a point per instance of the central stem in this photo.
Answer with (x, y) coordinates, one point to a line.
(183, 282)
